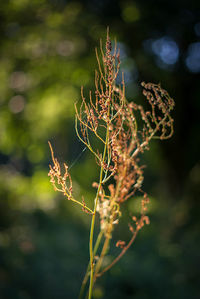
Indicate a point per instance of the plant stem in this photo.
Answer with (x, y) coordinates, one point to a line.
(81, 204)
(85, 279)
(106, 242)
(103, 252)
(120, 255)
(93, 218)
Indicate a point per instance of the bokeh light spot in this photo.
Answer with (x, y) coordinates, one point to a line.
(166, 49)
(19, 81)
(19, 4)
(17, 104)
(54, 20)
(65, 48)
(131, 13)
(193, 58)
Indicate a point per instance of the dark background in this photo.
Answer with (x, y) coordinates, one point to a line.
(46, 54)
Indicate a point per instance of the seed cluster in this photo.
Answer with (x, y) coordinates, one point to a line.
(117, 132)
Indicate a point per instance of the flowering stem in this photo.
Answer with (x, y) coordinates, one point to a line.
(81, 204)
(104, 249)
(94, 215)
(85, 279)
(114, 118)
(120, 255)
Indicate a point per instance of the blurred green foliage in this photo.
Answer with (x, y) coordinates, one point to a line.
(46, 54)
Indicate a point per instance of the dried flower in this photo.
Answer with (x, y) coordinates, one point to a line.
(113, 122)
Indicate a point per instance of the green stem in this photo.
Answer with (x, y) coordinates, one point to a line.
(120, 255)
(104, 250)
(106, 242)
(93, 218)
(85, 279)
